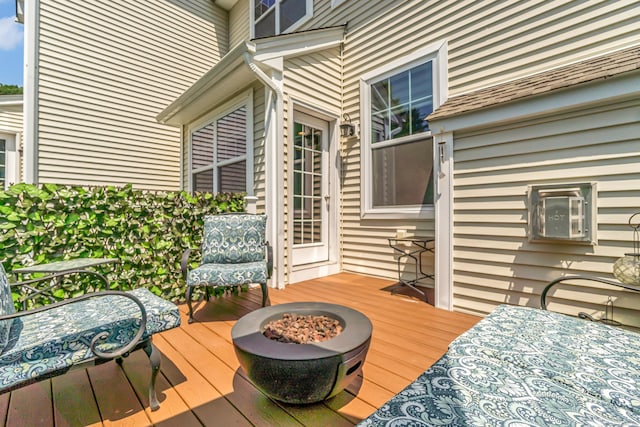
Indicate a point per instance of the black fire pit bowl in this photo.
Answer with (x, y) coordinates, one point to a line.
(302, 373)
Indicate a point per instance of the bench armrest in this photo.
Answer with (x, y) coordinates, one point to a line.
(543, 296)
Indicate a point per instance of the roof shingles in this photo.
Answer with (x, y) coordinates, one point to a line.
(598, 68)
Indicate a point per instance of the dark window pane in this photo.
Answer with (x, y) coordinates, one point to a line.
(402, 174)
(399, 122)
(399, 85)
(291, 11)
(380, 96)
(419, 112)
(380, 127)
(232, 135)
(232, 178)
(267, 25)
(202, 146)
(262, 6)
(421, 81)
(203, 181)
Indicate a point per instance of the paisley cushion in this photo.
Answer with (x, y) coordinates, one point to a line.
(54, 340)
(523, 366)
(6, 307)
(228, 274)
(233, 238)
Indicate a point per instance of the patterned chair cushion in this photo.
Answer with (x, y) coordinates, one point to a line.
(6, 307)
(525, 366)
(228, 274)
(233, 238)
(56, 339)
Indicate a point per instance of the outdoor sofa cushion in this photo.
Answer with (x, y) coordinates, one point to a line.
(526, 366)
(52, 341)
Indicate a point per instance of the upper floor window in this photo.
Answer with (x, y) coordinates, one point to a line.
(397, 155)
(272, 17)
(220, 152)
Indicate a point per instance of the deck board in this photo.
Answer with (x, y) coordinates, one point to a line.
(201, 382)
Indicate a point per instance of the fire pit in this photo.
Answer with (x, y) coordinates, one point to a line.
(302, 373)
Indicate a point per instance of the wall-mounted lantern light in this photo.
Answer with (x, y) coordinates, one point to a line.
(347, 129)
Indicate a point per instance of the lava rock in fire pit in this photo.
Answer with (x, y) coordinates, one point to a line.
(300, 329)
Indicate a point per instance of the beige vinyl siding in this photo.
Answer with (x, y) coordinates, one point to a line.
(487, 43)
(106, 69)
(10, 121)
(239, 23)
(493, 260)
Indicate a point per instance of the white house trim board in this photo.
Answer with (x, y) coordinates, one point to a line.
(274, 125)
(30, 120)
(290, 45)
(443, 174)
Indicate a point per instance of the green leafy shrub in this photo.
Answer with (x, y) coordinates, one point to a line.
(146, 230)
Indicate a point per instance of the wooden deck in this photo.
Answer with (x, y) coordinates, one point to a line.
(201, 382)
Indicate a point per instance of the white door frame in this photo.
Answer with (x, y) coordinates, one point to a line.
(299, 273)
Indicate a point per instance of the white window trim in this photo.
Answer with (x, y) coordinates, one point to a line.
(437, 53)
(296, 25)
(243, 100)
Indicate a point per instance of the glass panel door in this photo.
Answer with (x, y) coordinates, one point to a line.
(310, 190)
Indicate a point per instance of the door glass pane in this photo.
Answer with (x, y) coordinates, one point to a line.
(291, 11)
(402, 174)
(232, 178)
(232, 135)
(203, 181)
(307, 184)
(202, 142)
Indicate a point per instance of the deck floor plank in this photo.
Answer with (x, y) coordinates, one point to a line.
(201, 382)
(73, 400)
(31, 406)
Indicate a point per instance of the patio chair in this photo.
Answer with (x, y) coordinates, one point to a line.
(234, 253)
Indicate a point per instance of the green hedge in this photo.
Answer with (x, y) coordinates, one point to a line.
(146, 230)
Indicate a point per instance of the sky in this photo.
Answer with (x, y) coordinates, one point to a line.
(11, 45)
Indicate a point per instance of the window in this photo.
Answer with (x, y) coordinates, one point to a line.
(219, 153)
(397, 157)
(9, 160)
(272, 17)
